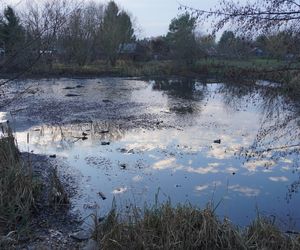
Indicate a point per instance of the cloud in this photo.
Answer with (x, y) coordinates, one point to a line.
(253, 165)
(278, 179)
(245, 191)
(165, 164)
(201, 188)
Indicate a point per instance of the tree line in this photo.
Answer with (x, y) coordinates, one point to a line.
(63, 32)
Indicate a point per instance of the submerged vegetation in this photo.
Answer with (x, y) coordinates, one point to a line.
(186, 227)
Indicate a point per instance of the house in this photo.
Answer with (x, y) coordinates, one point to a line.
(257, 52)
(132, 51)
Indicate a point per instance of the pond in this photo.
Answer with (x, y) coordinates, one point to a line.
(190, 141)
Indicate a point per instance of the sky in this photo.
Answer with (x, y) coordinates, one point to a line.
(152, 17)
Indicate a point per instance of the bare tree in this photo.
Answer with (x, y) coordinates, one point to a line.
(42, 23)
(80, 35)
(257, 16)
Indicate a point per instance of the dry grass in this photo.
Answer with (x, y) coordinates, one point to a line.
(57, 197)
(18, 189)
(185, 227)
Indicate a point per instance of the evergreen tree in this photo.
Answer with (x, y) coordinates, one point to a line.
(12, 34)
(116, 29)
(182, 39)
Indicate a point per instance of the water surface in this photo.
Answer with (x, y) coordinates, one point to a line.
(191, 141)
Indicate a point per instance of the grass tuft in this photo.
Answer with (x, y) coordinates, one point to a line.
(57, 195)
(185, 227)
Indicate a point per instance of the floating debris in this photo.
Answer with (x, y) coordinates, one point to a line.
(104, 131)
(71, 95)
(217, 141)
(123, 166)
(103, 197)
(106, 101)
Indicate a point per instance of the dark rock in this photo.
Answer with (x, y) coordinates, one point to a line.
(84, 134)
(123, 166)
(105, 143)
(84, 138)
(217, 141)
(52, 156)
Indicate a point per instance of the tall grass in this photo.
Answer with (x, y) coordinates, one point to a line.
(22, 192)
(17, 186)
(185, 227)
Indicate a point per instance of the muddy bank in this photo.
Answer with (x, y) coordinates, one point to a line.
(51, 226)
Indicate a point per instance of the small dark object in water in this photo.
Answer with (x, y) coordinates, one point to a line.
(233, 173)
(84, 134)
(84, 138)
(106, 101)
(105, 143)
(103, 197)
(104, 131)
(178, 185)
(217, 141)
(69, 88)
(52, 156)
(71, 95)
(100, 219)
(123, 166)
(292, 232)
(79, 86)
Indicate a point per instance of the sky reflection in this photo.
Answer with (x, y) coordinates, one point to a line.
(176, 152)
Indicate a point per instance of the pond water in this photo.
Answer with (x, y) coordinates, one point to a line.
(187, 140)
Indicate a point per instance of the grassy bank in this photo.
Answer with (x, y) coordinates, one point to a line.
(22, 192)
(211, 66)
(186, 227)
(220, 69)
(18, 190)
